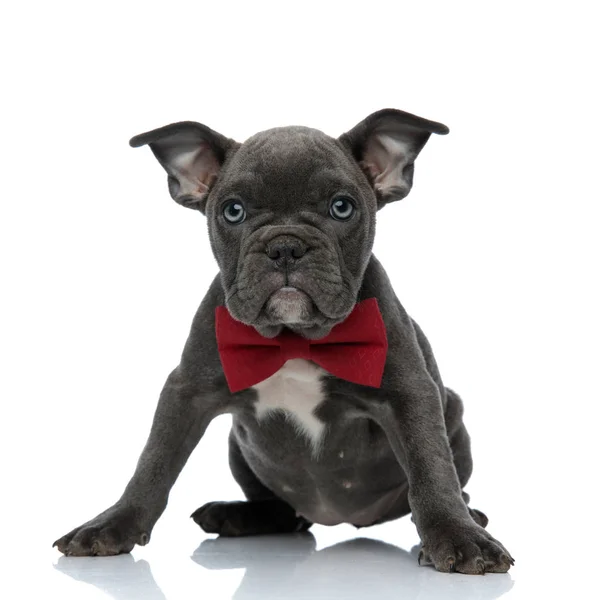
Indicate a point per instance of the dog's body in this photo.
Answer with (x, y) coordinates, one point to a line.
(336, 466)
(291, 220)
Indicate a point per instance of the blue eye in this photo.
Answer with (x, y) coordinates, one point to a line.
(234, 212)
(341, 208)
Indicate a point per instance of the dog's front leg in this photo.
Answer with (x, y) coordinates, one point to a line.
(180, 420)
(413, 421)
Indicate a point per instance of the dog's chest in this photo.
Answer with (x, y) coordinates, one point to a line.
(297, 390)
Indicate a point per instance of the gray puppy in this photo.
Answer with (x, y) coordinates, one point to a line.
(291, 219)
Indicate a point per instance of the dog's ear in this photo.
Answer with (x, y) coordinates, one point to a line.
(386, 145)
(192, 155)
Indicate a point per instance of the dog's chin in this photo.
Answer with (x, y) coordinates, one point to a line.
(289, 306)
(293, 309)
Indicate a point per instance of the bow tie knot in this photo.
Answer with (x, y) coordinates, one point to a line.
(294, 346)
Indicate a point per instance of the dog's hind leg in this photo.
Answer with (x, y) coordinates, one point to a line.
(262, 513)
(460, 443)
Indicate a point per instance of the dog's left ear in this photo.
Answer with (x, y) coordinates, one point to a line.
(192, 154)
(386, 145)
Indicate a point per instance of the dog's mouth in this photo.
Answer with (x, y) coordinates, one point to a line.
(292, 308)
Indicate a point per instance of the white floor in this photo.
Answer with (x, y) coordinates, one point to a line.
(301, 566)
(329, 563)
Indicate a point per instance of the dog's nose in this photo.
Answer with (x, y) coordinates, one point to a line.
(286, 250)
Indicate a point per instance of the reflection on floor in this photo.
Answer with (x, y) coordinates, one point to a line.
(290, 566)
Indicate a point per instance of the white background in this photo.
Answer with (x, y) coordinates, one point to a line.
(495, 253)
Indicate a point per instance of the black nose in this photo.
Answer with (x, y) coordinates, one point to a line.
(286, 250)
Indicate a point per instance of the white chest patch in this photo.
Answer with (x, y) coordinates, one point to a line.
(295, 389)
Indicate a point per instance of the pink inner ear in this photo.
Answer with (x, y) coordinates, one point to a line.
(196, 170)
(385, 158)
(371, 168)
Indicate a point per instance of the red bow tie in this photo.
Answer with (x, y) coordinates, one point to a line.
(354, 350)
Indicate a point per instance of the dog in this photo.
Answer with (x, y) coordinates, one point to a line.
(339, 413)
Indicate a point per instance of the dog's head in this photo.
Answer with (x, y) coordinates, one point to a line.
(291, 211)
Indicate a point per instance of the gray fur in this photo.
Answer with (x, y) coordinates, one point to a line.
(404, 444)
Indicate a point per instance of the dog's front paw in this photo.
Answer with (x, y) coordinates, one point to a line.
(464, 547)
(115, 531)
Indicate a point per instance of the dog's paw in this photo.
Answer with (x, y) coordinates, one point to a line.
(223, 518)
(464, 547)
(232, 519)
(115, 531)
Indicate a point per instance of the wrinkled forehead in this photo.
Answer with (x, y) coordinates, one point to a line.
(291, 160)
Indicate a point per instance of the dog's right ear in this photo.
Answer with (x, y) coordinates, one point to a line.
(192, 155)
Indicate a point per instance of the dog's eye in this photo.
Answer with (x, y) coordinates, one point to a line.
(234, 212)
(341, 209)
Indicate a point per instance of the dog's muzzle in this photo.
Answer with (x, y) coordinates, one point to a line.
(288, 304)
